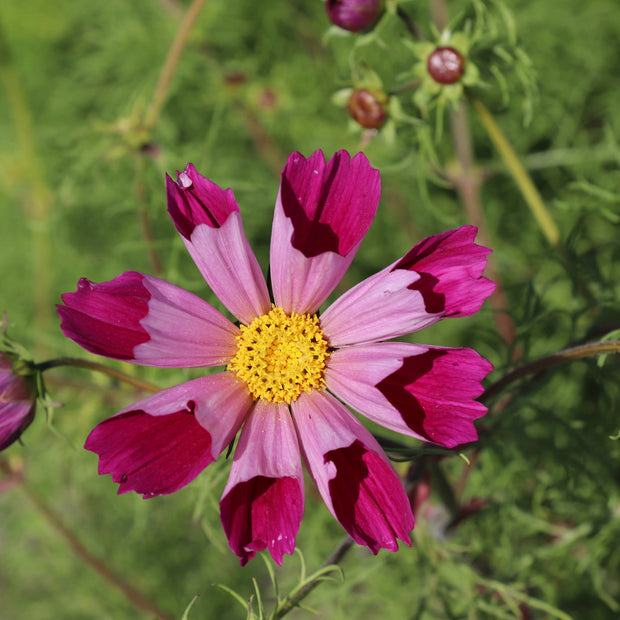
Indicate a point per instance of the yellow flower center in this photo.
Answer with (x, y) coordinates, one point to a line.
(280, 356)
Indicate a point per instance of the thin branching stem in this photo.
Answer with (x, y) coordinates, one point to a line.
(143, 216)
(544, 363)
(136, 598)
(537, 366)
(171, 62)
(337, 555)
(111, 372)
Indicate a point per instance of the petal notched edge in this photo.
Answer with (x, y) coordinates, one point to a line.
(322, 213)
(368, 499)
(450, 265)
(262, 513)
(263, 502)
(331, 204)
(162, 442)
(421, 391)
(352, 473)
(152, 455)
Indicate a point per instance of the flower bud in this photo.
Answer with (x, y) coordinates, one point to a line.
(17, 402)
(353, 15)
(446, 65)
(367, 109)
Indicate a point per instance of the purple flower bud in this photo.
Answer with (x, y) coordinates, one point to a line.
(366, 108)
(354, 15)
(17, 403)
(446, 65)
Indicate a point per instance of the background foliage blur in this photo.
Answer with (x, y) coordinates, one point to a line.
(81, 174)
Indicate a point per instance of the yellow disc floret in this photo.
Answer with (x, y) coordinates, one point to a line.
(280, 356)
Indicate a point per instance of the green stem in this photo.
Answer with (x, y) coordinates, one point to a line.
(171, 62)
(567, 355)
(291, 603)
(143, 216)
(136, 598)
(111, 372)
(519, 173)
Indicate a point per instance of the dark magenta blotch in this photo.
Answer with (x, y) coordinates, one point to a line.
(105, 318)
(151, 454)
(262, 513)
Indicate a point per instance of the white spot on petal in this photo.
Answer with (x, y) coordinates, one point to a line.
(184, 181)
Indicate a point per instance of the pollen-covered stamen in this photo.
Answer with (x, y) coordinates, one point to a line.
(280, 356)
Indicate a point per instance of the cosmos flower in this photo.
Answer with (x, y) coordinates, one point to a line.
(17, 402)
(289, 373)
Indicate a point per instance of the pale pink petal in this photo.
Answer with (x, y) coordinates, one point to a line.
(148, 321)
(161, 443)
(263, 502)
(439, 278)
(379, 308)
(185, 330)
(208, 219)
(352, 473)
(322, 213)
(421, 391)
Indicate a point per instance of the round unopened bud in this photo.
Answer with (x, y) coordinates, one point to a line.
(365, 108)
(353, 15)
(446, 65)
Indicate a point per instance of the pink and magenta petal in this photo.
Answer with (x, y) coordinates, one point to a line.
(208, 219)
(420, 391)
(194, 200)
(352, 473)
(322, 213)
(161, 443)
(147, 321)
(105, 318)
(263, 502)
(439, 278)
(451, 266)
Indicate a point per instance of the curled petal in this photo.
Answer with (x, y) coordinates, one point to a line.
(352, 473)
(440, 277)
(322, 213)
(421, 391)
(105, 318)
(194, 200)
(262, 504)
(164, 441)
(148, 321)
(210, 224)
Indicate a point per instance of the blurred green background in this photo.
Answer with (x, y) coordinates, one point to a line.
(80, 175)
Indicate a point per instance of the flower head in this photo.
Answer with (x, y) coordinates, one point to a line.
(445, 68)
(17, 402)
(354, 15)
(368, 108)
(289, 373)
